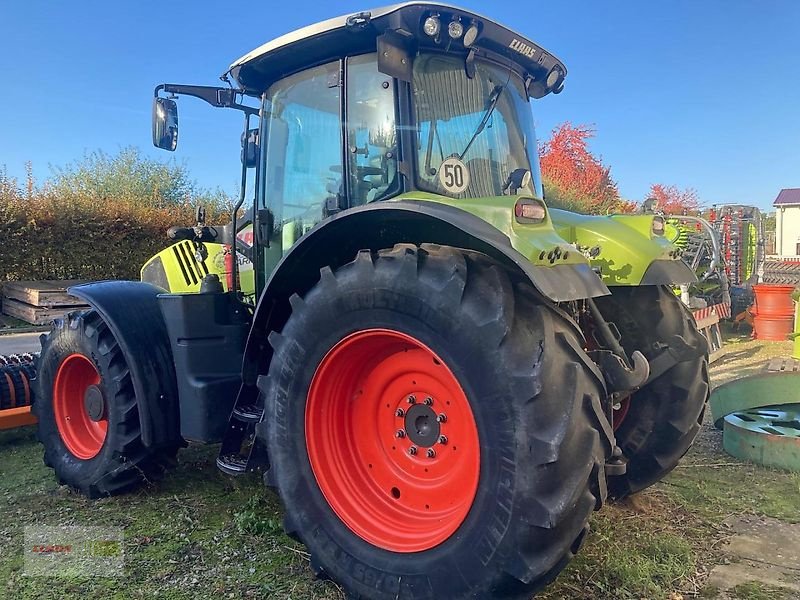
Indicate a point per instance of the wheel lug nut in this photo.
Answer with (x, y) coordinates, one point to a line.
(399, 412)
(442, 418)
(442, 439)
(431, 453)
(412, 450)
(400, 434)
(412, 399)
(428, 401)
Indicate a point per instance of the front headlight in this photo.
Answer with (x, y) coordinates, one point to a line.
(455, 30)
(432, 26)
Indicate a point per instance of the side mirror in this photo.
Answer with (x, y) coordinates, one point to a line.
(250, 148)
(165, 123)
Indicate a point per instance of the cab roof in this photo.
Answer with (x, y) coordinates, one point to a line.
(359, 33)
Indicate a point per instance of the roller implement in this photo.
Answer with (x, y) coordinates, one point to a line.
(17, 373)
(440, 376)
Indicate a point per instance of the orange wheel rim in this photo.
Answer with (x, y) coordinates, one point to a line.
(392, 441)
(81, 422)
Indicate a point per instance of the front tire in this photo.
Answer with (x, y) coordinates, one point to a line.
(88, 411)
(502, 505)
(659, 422)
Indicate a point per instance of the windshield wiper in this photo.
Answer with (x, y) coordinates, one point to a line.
(491, 103)
(428, 156)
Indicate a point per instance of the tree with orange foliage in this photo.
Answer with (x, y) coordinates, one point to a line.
(673, 201)
(575, 178)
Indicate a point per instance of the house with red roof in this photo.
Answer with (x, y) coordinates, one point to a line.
(787, 222)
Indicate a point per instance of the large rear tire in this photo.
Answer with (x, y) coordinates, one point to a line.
(499, 506)
(88, 411)
(659, 422)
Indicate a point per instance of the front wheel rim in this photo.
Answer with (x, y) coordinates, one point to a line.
(392, 440)
(76, 388)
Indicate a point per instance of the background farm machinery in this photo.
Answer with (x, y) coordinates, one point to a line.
(17, 372)
(725, 247)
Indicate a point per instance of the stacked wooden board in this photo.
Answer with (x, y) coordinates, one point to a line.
(39, 302)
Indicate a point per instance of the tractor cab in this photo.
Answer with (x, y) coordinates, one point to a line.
(414, 101)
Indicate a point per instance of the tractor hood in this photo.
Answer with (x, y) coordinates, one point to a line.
(400, 31)
(625, 249)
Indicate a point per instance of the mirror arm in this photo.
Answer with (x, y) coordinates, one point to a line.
(219, 97)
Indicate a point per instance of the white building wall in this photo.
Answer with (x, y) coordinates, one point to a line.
(787, 225)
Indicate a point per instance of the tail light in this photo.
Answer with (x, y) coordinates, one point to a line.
(528, 210)
(658, 226)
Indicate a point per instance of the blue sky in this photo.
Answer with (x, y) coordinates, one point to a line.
(702, 94)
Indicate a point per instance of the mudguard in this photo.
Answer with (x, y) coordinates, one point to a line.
(335, 241)
(624, 249)
(131, 311)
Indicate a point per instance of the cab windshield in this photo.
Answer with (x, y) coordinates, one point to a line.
(475, 136)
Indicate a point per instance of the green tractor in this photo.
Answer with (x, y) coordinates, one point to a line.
(441, 377)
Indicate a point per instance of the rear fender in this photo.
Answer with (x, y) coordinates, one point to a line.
(131, 311)
(627, 251)
(335, 242)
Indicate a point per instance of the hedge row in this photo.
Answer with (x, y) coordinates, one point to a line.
(46, 236)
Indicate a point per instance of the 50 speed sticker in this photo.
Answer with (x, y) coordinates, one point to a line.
(454, 175)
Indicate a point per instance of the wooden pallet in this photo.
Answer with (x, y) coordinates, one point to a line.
(39, 302)
(44, 294)
(36, 315)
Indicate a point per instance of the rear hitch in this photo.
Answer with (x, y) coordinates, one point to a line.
(622, 374)
(618, 375)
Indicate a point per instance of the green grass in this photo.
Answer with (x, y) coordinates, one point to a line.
(753, 590)
(632, 553)
(200, 533)
(717, 492)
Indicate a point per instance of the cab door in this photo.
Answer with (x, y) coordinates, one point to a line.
(302, 169)
(372, 141)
